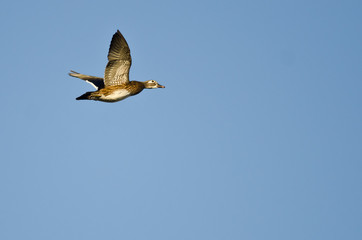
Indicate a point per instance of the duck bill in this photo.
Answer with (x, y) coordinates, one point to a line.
(160, 86)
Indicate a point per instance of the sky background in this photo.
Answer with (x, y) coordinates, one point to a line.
(256, 136)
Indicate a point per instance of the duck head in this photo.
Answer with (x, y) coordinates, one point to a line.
(152, 84)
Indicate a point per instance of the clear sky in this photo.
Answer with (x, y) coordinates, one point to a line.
(256, 136)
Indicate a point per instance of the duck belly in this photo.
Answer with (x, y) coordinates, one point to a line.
(115, 96)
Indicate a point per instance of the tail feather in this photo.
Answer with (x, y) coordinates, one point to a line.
(84, 96)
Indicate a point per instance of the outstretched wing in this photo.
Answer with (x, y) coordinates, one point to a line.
(96, 82)
(119, 61)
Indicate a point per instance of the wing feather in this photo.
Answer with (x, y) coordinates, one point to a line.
(119, 61)
(96, 82)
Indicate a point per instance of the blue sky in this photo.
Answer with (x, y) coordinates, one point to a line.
(257, 134)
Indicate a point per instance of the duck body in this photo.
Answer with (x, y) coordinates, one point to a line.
(114, 93)
(115, 86)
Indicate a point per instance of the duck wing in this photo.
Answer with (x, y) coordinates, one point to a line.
(96, 82)
(119, 61)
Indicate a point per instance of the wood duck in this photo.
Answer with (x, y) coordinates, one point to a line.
(116, 85)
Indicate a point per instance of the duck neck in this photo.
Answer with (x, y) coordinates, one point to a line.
(137, 87)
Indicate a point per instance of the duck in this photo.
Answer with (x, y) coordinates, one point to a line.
(115, 86)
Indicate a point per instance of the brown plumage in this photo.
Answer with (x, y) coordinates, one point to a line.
(116, 85)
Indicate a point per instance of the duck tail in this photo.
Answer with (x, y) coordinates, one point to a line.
(85, 96)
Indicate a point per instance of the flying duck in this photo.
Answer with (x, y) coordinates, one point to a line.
(116, 85)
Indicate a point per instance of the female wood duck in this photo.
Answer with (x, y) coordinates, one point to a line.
(116, 85)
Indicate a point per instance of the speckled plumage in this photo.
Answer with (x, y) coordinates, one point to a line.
(116, 85)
